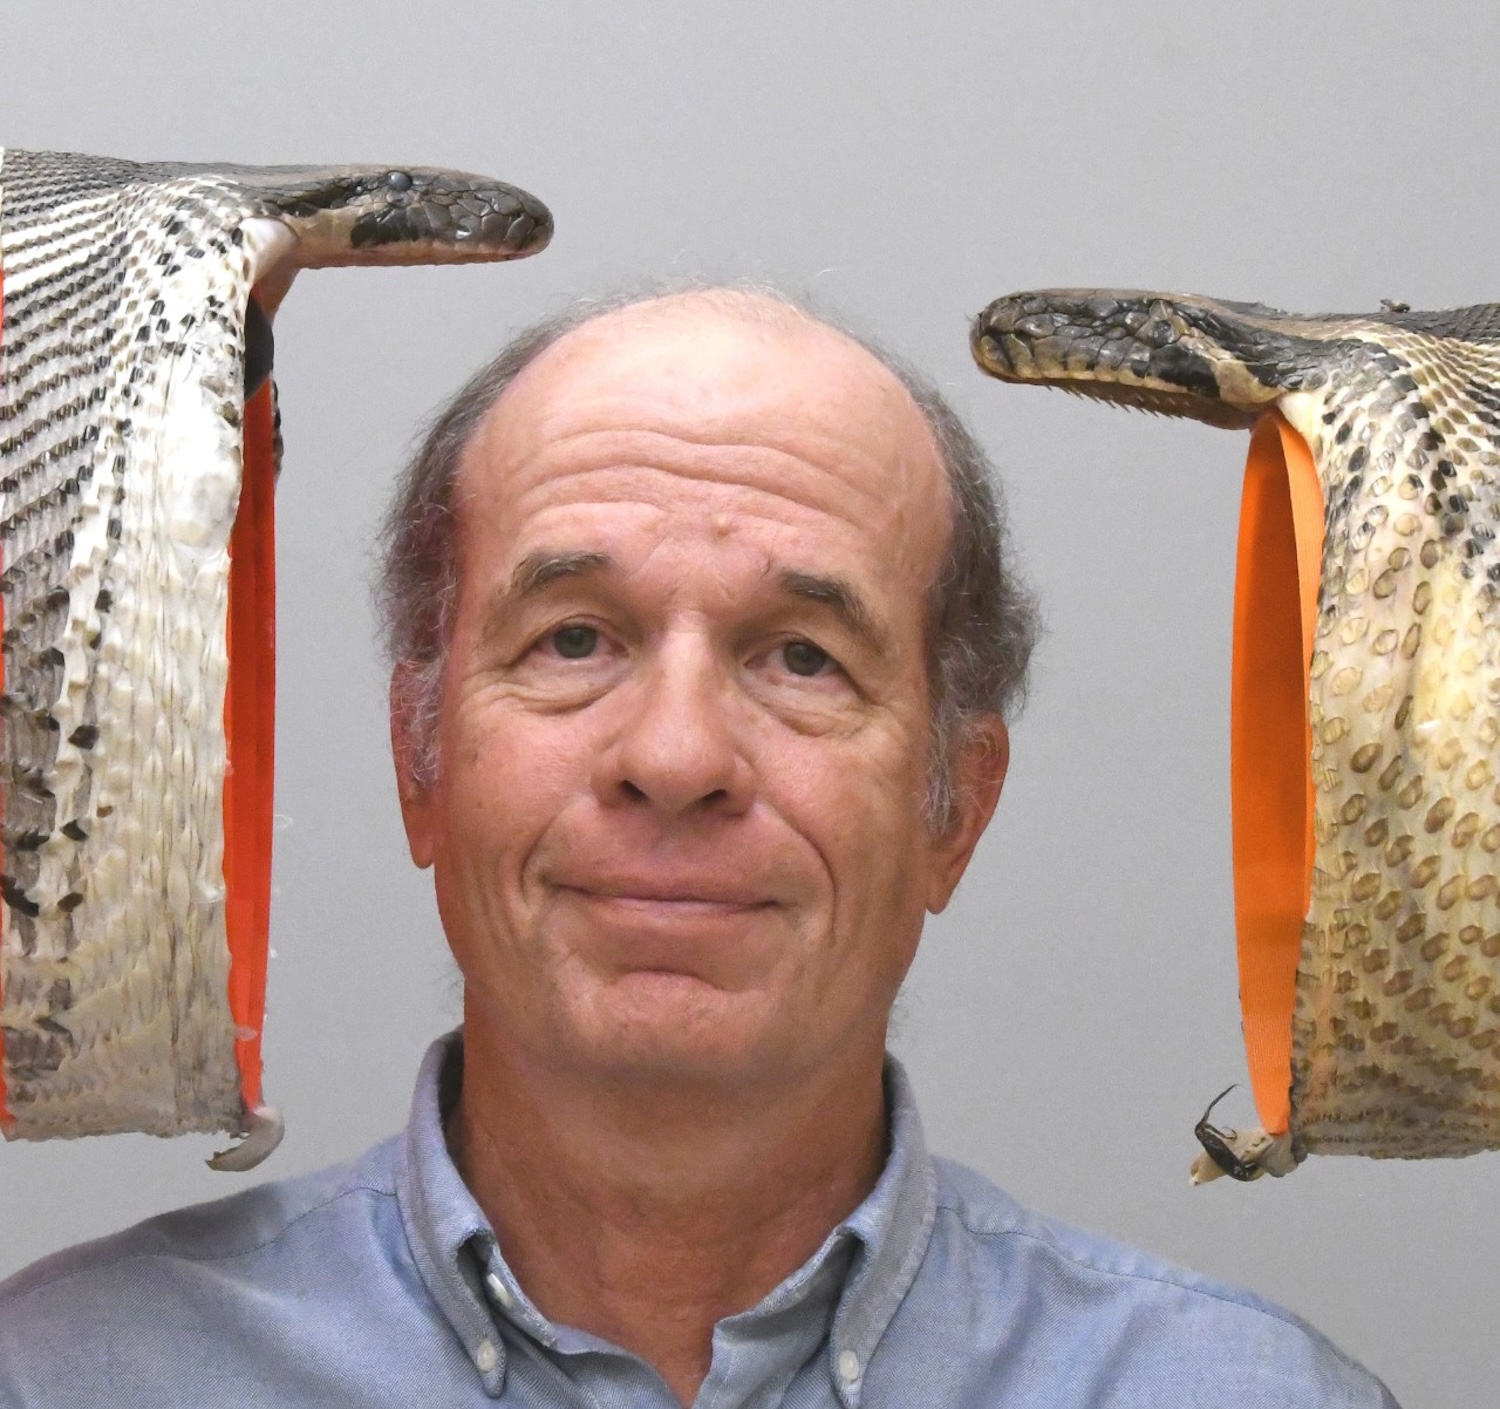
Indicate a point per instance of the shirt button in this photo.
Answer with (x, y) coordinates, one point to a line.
(499, 1290)
(486, 1357)
(848, 1363)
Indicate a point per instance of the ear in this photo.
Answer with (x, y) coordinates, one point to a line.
(408, 705)
(978, 776)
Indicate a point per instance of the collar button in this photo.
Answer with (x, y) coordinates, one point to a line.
(499, 1290)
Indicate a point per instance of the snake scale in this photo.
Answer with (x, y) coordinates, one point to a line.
(137, 301)
(1396, 1025)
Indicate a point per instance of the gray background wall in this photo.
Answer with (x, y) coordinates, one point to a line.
(1071, 1014)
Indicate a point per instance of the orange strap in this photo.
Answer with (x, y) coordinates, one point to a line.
(1275, 614)
(250, 729)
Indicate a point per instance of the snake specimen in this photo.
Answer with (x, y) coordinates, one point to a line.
(135, 719)
(1392, 1012)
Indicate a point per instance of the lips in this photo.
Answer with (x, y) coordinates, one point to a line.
(656, 890)
(730, 871)
(717, 930)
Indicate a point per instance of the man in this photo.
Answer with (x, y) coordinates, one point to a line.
(702, 640)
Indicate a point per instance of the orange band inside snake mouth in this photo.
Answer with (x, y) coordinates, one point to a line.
(250, 731)
(1275, 614)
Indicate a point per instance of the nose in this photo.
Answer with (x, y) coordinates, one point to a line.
(679, 747)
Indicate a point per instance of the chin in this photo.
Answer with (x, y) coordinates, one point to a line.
(672, 1027)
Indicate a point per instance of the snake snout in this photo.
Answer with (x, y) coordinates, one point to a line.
(533, 230)
(1125, 346)
(1006, 337)
(1070, 335)
(449, 219)
(399, 215)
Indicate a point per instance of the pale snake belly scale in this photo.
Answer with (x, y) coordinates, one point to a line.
(127, 307)
(1395, 1032)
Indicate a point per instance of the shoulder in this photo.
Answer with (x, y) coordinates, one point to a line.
(973, 1211)
(1102, 1311)
(166, 1287)
(229, 1229)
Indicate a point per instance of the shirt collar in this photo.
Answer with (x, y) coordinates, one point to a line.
(893, 1226)
(881, 1243)
(441, 1216)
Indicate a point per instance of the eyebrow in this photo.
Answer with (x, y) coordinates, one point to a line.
(842, 598)
(537, 570)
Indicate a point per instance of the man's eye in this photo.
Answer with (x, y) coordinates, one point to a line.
(804, 658)
(575, 642)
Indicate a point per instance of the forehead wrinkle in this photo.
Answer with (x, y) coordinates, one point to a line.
(620, 463)
(587, 387)
(600, 418)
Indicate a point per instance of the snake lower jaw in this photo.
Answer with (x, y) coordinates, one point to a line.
(263, 1132)
(323, 244)
(1134, 396)
(138, 303)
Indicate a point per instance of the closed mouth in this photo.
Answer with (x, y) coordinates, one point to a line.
(708, 900)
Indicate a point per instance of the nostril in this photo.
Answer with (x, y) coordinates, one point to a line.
(633, 791)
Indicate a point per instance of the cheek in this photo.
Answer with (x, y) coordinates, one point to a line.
(862, 809)
(506, 779)
(504, 785)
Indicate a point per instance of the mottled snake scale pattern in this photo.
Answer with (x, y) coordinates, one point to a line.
(130, 293)
(1396, 1033)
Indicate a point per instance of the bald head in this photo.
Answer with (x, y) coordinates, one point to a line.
(696, 353)
(726, 386)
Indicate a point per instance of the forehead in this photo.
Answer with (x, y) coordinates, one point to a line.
(745, 405)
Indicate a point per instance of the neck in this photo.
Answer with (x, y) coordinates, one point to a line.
(644, 1212)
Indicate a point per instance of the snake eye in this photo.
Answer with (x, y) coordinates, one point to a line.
(398, 180)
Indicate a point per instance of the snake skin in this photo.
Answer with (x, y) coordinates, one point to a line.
(122, 391)
(1396, 1034)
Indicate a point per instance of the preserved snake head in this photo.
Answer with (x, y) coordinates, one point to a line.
(1366, 693)
(138, 450)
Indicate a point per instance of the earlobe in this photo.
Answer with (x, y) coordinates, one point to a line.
(415, 794)
(978, 776)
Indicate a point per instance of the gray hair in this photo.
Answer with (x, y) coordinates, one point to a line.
(981, 619)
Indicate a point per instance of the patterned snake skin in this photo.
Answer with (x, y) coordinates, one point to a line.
(1396, 1035)
(127, 330)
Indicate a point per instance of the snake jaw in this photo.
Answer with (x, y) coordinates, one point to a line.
(412, 215)
(263, 1132)
(1386, 977)
(273, 249)
(135, 895)
(1209, 361)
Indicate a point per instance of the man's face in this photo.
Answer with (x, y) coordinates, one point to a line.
(678, 825)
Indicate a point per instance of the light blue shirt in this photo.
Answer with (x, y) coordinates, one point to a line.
(379, 1283)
